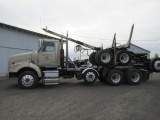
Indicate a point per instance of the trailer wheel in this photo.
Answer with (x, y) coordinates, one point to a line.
(28, 79)
(115, 77)
(104, 57)
(90, 76)
(155, 65)
(123, 57)
(92, 58)
(134, 76)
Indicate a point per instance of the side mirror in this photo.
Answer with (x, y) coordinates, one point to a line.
(40, 44)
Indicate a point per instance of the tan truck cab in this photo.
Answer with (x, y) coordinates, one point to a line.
(48, 55)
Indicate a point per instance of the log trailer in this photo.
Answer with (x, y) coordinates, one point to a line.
(111, 65)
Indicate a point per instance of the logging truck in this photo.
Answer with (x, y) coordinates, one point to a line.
(112, 65)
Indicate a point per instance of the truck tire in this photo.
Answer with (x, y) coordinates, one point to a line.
(92, 58)
(27, 79)
(155, 65)
(133, 76)
(104, 57)
(114, 77)
(101, 77)
(90, 76)
(123, 57)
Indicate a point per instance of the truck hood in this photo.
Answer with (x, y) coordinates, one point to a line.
(24, 57)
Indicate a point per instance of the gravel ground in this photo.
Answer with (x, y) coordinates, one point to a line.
(74, 100)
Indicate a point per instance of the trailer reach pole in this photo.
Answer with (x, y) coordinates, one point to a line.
(70, 39)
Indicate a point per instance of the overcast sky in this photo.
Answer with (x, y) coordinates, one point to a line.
(90, 18)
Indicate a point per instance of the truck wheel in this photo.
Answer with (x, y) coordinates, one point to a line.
(155, 65)
(28, 79)
(90, 76)
(133, 76)
(114, 77)
(92, 58)
(104, 57)
(123, 57)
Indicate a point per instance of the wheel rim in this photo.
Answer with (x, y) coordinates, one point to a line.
(90, 76)
(135, 77)
(124, 58)
(27, 80)
(115, 77)
(105, 57)
(157, 65)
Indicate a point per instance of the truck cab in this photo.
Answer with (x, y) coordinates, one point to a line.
(32, 66)
(48, 56)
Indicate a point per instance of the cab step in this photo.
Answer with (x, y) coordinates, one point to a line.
(51, 81)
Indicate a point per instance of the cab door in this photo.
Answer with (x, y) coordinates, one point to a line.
(47, 55)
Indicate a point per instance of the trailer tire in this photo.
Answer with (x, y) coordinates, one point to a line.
(90, 76)
(27, 80)
(114, 77)
(134, 76)
(104, 57)
(155, 65)
(92, 58)
(123, 57)
(125, 76)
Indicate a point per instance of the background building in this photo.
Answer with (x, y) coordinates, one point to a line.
(14, 40)
(137, 49)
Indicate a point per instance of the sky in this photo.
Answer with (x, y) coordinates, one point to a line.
(90, 21)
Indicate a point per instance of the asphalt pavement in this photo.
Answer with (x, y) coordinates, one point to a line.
(74, 100)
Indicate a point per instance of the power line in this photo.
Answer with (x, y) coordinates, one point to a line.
(109, 39)
(106, 39)
(90, 37)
